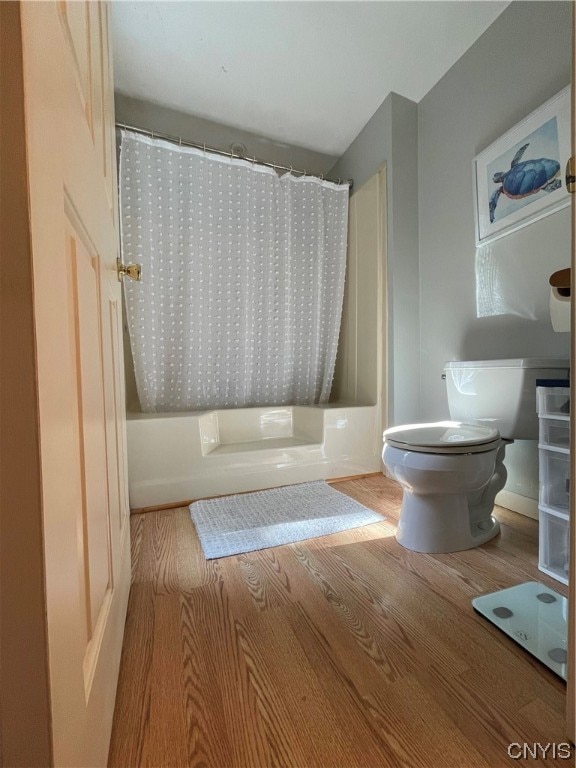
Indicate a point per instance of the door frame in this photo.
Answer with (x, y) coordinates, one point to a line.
(571, 671)
(25, 735)
(23, 637)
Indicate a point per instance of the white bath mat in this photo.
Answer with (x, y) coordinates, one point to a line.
(245, 522)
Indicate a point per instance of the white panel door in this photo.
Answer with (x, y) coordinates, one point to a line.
(73, 212)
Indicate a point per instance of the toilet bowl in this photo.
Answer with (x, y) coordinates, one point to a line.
(450, 474)
(451, 471)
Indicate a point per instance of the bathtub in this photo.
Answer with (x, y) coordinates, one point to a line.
(175, 457)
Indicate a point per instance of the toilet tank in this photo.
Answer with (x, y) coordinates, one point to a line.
(501, 393)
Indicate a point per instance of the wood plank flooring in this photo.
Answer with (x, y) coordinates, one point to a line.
(342, 651)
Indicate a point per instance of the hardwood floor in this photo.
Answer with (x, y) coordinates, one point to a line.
(342, 651)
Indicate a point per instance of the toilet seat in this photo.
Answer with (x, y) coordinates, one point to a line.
(443, 437)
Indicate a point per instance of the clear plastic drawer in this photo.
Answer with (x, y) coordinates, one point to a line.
(554, 478)
(553, 401)
(555, 432)
(554, 546)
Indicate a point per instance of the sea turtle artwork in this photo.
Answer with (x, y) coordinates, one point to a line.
(525, 177)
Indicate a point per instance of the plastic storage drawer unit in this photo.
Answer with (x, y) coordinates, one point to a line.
(554, 546)
(554, 479)
(555, 432)
(554, 497)
(553, 401)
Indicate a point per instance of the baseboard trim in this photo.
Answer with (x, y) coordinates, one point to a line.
(517, 503)
(187, 502)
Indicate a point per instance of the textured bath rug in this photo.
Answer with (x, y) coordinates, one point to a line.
(248, 521)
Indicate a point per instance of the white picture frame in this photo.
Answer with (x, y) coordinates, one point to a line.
(521, 164)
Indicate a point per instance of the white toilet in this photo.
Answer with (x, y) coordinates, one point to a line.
(451, 471)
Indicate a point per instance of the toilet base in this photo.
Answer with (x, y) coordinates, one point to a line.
(439, 523)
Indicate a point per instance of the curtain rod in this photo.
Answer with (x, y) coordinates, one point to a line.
(183, 143)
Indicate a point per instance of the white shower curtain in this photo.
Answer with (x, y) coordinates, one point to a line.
(242, 278)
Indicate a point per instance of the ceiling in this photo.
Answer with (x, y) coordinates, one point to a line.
(310, 74)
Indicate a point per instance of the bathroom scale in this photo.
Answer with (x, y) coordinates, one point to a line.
(534, 616)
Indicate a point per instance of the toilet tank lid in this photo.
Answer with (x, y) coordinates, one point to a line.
(518, 362)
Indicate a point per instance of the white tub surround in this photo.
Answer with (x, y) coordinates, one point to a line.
(181, 456)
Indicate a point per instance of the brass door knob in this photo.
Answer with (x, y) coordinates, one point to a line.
(132, 271)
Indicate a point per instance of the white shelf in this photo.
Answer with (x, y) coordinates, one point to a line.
(554, 448)
(564, 514)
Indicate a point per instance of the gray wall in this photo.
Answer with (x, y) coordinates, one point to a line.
(497, 82)
(145, 114)
(435, 271)
(494, 85)
(391, 137)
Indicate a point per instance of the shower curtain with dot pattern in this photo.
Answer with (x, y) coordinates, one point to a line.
(242, 278)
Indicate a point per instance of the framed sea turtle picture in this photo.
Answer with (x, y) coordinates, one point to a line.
(520, 177)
